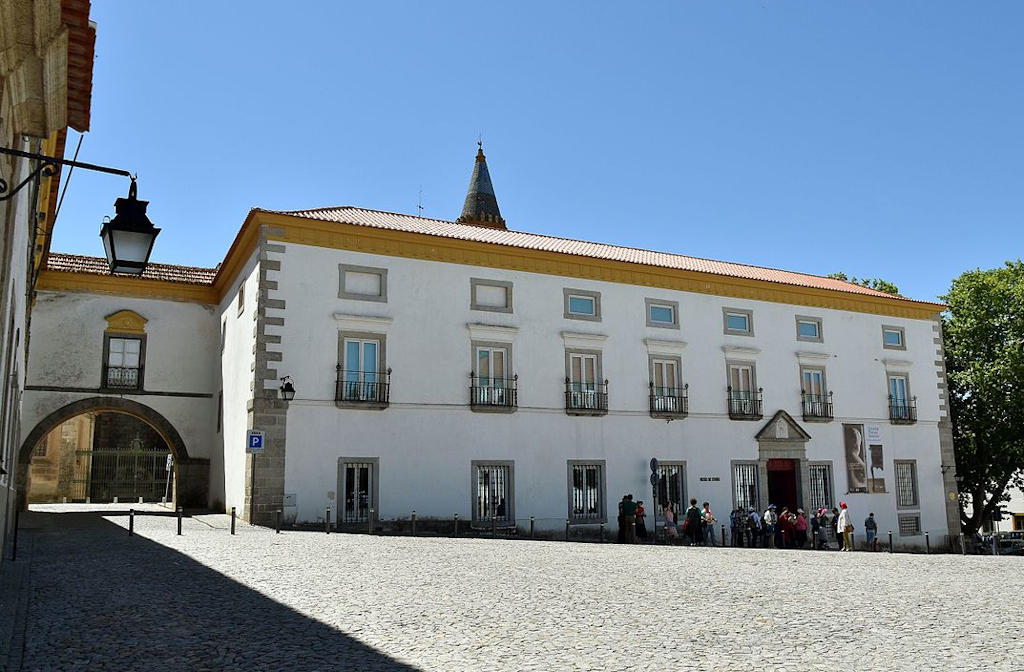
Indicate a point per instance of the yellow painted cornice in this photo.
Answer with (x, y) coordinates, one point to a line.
(142, 288)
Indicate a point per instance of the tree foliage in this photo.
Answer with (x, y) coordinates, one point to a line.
(872, 283)
(983, 332)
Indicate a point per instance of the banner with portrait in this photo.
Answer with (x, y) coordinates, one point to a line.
(856, 458)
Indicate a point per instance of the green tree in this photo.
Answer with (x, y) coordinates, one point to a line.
(983, 332)
(872, 283)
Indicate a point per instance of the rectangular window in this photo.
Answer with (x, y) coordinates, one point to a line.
(744, 485)
(893, 338)
(491, 295)
(808, 329)
(223, 334)
(662, 313)
(491, 384)
(666, 389)
(738, 321)
(220, 411)
(493, 492)
(672, 485)
(241, 298)
(820, 486)
(898, 389)
(906, 483)
(361, 369)
(584, 373)
(741, 380)
(1018, 521)
(581, 305)
(362, 283)
(124, 362)
(910, 525)
(357, 488)
(586, 492)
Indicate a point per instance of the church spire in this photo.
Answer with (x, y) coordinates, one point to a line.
(481, 206)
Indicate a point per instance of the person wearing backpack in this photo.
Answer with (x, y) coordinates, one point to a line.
(871, 530)
(692, 523)
(753, 528)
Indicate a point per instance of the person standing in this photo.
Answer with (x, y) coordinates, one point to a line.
(871, 531)
(846, 525)
(629, 519)
(753, 528)
(670, 523)
(693, 522)
(709, 520)
(837, 531)
(768, 524)
(735, 531)
(641, 524)
(822, 519)
(800, 527)
(622, 525)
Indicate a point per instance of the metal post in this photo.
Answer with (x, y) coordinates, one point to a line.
(414, 522)
(567, 529)
(963, 545)
(890, 541)
(853, 542)
(927, 544)
(14, 540)
(456, 524)
(131, 522)
(602, 533)
(179, 520)
(277, 526)
(494, 531)
(531, 527)
(232, 520)
(723, 536)
(327, 521)
(369, 521)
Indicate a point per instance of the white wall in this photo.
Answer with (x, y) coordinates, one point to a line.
(426, 439)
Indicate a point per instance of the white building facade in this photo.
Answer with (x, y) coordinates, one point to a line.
(462, 369)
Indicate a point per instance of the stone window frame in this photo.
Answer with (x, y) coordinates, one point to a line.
(510, 493)
(824, 377)
(598, 365)
(354, 296)
(374, 488)
(898, 373)
(729, 363)
(674, 305)
(107, 335)
(807, 339)
(903, 337)
(223, 334)
(382, 362)
(483, 282)
(675, 359)
(240, 300)
(912, 464)
(830, 470)
(583, 293)
(602, 517)
(757, 482)
(748, 312)
(680, 505)
(916, 517)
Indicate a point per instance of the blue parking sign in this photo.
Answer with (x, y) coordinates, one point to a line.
(254, 441)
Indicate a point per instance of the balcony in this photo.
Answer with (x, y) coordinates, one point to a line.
(901, 411)
(362, 389)
(121, 378)
(586, 398)
(493, 395)
(745, 404)
(669, 403)
(816, 407)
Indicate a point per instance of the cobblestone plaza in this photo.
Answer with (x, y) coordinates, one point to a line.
(93, 598)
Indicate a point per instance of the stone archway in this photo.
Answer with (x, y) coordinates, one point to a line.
(191, 475)
(782, 444)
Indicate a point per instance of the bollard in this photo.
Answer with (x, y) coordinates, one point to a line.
(414, 522)
(327, 521)
(723, 536)
(602, 533)
(369, 521)
(66, 500)
(531, 527)
(140, 500)
(456, 524)
(131, 522)
(567, 529)
(963, 546)
(890, 541)
(88, 500)
(277, 525)
(853, 542)
(232, 520)
(494, 531)
(179, 520)
(927, 545)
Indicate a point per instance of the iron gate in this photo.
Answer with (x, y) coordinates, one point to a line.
(125, 474)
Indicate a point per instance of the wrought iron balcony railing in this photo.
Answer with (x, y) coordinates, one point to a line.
(493, 394)
(669, 402)
(745, 404)
(816, 407)
(586, 398)
(902, 411)
(369, 389)
(121, 378)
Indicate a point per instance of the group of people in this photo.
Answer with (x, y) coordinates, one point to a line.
(695, 526)
(632, 520)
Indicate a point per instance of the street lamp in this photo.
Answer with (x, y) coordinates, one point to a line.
(287, 389)
(128, 237)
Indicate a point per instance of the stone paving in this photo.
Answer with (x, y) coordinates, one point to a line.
(100, 600)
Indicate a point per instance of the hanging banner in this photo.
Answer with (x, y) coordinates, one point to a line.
(856, 458)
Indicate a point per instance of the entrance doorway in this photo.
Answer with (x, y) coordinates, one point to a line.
(783, 484)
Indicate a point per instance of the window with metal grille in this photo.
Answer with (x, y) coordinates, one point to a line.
(744, 485)
(357, 491)
(586, 492)
(493, 493)
(906, 483)
(820, 485)
(671, 484)
(910, 525)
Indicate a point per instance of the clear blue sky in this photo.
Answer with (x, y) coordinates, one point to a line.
(884, 139)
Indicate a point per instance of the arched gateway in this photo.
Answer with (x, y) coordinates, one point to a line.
(190, 475)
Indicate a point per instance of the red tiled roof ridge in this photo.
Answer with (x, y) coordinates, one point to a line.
(79, 263)
(836, 284)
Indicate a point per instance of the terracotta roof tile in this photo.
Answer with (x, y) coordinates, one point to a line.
(75, 263)
(532, 241)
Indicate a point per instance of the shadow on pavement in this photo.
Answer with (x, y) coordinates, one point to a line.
(101, 600)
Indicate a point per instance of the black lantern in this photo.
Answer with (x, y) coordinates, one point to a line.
(128, 237)
(287, 389)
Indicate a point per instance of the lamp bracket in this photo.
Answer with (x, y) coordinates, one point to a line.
(47, 167)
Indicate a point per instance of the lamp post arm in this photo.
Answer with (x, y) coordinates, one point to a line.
(46, 167)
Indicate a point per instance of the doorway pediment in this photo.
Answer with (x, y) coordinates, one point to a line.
(782, 428)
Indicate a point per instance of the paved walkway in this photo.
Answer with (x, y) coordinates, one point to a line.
(100, 600)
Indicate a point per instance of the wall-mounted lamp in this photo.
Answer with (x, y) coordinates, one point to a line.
(287, 388)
